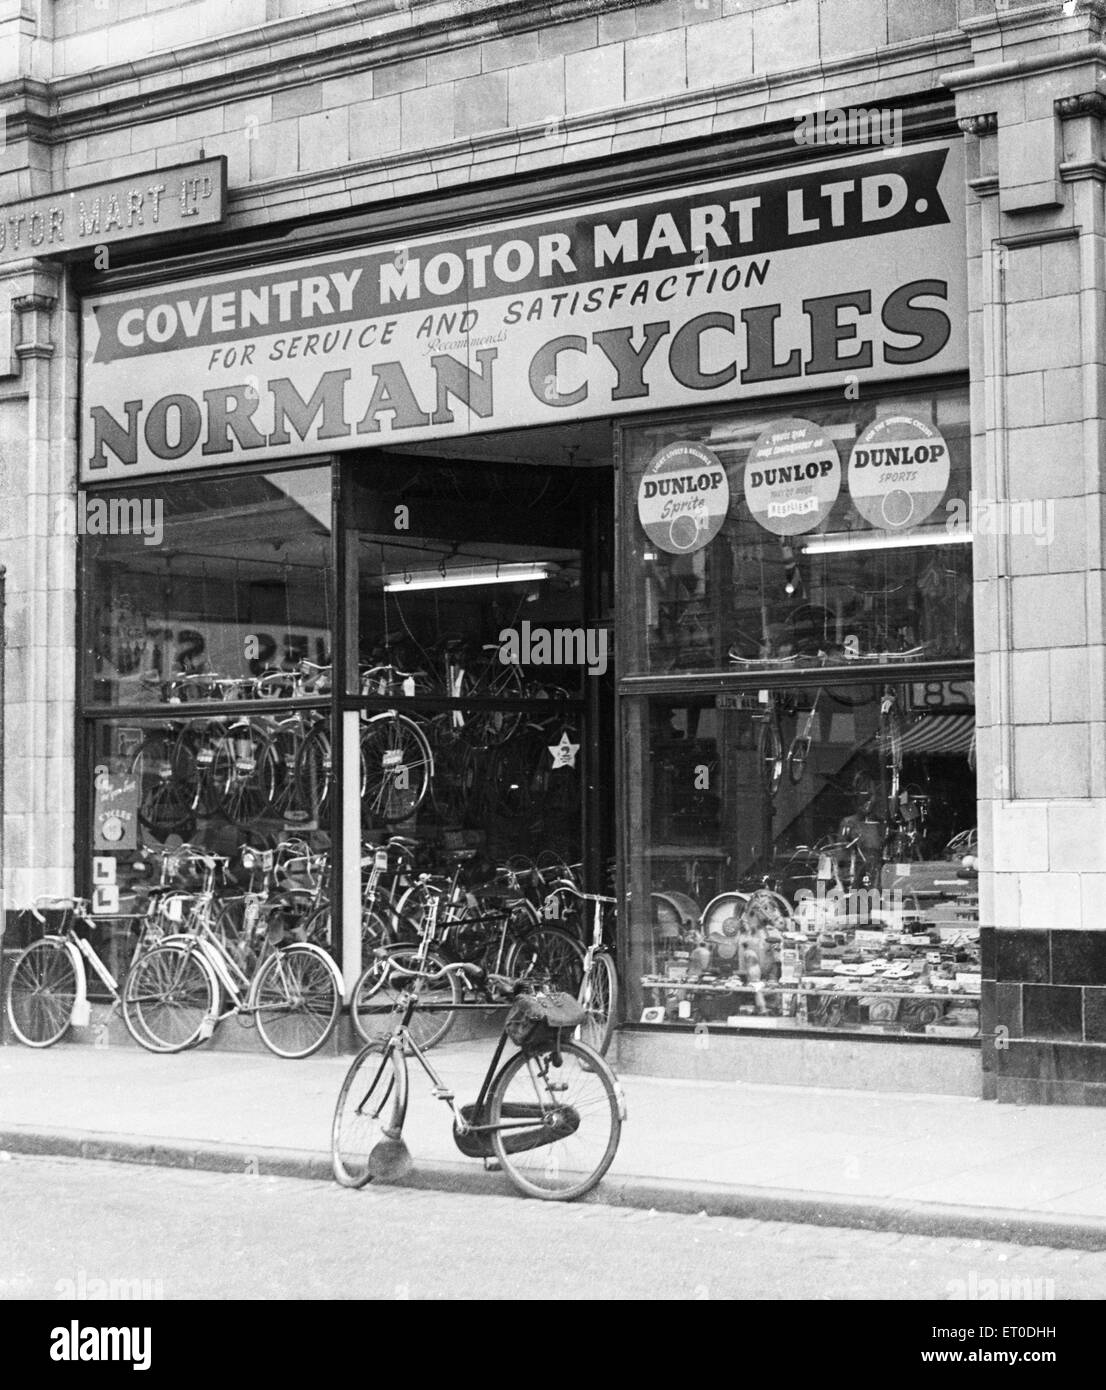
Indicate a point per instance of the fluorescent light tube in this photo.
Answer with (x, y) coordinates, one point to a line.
(868, 540)
(466, 576)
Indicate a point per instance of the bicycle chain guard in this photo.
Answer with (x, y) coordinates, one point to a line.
(479, 1144)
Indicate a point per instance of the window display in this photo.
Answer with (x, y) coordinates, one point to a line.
(472, 650)
(799, 721)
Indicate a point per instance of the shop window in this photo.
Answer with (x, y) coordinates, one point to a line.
(207, 606)
(191, 586)
(835, 538)
(472, 650)
(801, 828)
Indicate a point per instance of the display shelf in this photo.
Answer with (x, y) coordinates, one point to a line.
(720, 987)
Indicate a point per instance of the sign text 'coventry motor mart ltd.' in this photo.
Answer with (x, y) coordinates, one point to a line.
(724, 291)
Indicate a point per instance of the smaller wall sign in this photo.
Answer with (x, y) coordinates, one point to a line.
(792, 477)
(114, 810)
(898, 472)
(683, 498)
(175, 199)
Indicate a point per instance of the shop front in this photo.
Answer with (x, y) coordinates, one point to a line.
(634, 536)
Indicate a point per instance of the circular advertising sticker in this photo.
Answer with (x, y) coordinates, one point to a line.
(683, 498)
(898, 471)
(792, 477)
(112, 829)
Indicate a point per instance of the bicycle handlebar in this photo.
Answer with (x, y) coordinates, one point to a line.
(563, 885)
(498, 984)
(47, 900)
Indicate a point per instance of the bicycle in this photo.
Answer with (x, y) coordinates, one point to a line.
(172, 996)
(509, 940)
(48, 988)
(599, 986)
(551, 1116)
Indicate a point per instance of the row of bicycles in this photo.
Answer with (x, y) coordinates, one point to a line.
(253, 938)
(278, 765)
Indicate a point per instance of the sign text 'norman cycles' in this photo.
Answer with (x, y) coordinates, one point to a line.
(747, 287)
(163, 200)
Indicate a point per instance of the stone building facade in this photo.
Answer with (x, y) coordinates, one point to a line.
(399, 108)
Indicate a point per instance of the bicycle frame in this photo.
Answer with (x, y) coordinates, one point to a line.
(400, 1040)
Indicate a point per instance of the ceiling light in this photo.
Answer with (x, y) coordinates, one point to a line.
(464, 576)
(831, 544)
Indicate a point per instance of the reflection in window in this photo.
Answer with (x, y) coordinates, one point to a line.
(801, 854)
(761, 595)
(236, 585)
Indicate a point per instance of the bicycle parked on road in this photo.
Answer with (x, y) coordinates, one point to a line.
(550, 1116)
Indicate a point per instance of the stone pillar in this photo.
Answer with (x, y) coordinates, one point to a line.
(37, 546)
(1032, 110)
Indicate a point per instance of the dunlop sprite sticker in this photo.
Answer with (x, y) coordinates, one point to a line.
(898, 472)
(792, 477)
(683, 498)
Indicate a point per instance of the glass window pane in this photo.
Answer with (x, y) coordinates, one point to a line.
(469, 579)
(800, 860)
(838, 537)
(223, 580)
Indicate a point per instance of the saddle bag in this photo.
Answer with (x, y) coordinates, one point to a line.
(536, 1021)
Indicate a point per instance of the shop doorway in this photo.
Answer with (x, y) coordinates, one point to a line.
(480, 644)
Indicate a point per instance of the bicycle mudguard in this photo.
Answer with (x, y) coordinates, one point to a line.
(479, 1143)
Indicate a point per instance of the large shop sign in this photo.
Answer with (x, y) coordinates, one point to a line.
(834, 272)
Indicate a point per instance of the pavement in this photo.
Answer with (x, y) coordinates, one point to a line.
(916, 1164)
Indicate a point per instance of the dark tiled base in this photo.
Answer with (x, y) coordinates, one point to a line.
(1043, 1016)
(1021, 1090)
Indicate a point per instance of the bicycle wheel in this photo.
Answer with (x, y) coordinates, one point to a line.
(314, 765)
(244, 775)
(42, 991)
(168, 784)
(770, 754)
(373, 1006)
(599, 997)
(548, 956)
(169, 998)
(398, 767)
(573, 1100)
(295, 999)
(371, 1106)
(493, 681)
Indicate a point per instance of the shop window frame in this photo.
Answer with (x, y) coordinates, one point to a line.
(635, 690)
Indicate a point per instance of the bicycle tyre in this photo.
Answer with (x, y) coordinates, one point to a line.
(314, 768)
(392, 741)
(295, 999)
(42, 990)
(373, 1003)
(599, 997)
(770, 755)
(584, 1092)
(244, 793)
(168, 784)
(169, 996)
(493, 681)
(550, 955)
(371, 1106)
